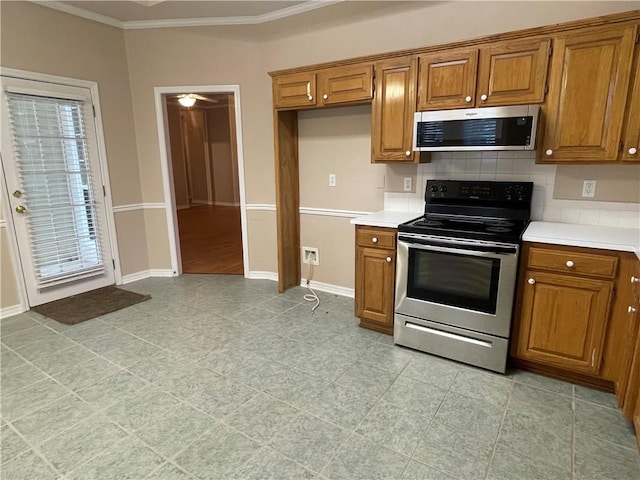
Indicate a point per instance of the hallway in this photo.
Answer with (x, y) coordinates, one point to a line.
(211, 239)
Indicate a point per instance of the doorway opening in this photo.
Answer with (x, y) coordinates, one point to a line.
(205, 174)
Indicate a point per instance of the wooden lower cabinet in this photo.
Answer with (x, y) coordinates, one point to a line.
(563, 314)
(375, 277)
(563, 320)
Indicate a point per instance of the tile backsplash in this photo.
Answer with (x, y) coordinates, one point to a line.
(515, 166)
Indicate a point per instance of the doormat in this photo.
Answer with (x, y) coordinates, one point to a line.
(85, 306)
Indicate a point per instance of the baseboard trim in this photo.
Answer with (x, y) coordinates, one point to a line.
(134, 277)
(227, 204)
(259, 275)
(330, 288)
(11, 311)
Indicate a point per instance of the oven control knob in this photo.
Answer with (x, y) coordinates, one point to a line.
(531, 281)
(389, 259)
(374, 239)
(443, 188)
(570, 263)
(434, 188)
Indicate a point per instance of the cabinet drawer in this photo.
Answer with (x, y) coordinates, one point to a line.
(570, 262)
(376, 237)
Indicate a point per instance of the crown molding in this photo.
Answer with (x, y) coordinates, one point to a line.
(81, 12)
(189, 22)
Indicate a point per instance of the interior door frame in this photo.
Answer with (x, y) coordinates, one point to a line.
(104, 172)
(167, 176)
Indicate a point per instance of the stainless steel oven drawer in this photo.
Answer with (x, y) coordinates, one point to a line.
(466, 346)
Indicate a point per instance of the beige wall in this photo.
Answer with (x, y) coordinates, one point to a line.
(223, 170)
(177, 156)
(39, 39)
(614, 183)
(9, 296)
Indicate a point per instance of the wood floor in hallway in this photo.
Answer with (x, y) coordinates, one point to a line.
(211, 239)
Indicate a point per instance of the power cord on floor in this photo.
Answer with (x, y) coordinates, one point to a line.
(311, 297)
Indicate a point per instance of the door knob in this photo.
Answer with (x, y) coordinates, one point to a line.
(483, 97)
(325, 96)
(570, 264)
(633, 151)
(631, 309)
(549, 152)
(408, 153)
(531, 281)
(374, 239)
(17, 194)
(635, 279)
(467, 99)
(389, 259)
(21, 209)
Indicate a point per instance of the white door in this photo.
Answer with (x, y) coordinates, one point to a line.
(55, 190)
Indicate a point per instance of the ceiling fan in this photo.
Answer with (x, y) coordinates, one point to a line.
(189, 99)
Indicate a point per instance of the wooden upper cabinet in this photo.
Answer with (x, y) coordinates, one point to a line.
(501, 73)
(295, 90)
(513, 73)
(447, 79)
(631, 135)
(588, 84)
(348, 84)
(394, 104)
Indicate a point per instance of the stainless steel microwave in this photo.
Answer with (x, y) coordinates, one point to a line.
(491, 128)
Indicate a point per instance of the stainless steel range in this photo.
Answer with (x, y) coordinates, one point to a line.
(456, 270)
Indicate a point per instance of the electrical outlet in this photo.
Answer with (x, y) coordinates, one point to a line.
(332, 179)
(310, 255)
(589, 188)
(407, 184)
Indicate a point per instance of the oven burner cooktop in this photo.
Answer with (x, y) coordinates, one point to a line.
(508, 231)
(489, 211)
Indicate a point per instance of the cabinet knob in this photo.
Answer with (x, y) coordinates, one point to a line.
(408, 153)
(467, 98)
(633, 151)
(389, 261)
(549, 152)
(631, 309)
(325, 96)
(483, 97)
(374, 239)
(570, 263)
(635, 279)
(310, 97)
(531, 281)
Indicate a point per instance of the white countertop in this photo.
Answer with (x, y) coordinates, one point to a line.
(592, 236)
(386, 218)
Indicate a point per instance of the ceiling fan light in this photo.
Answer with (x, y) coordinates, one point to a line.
(187, 101)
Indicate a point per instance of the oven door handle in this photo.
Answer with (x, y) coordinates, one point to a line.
(479, 250)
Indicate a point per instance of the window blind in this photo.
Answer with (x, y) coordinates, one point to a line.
(50, 142)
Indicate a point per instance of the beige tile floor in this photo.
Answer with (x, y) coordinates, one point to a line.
(220, 377)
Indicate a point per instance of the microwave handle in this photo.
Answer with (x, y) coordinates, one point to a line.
(490, 252)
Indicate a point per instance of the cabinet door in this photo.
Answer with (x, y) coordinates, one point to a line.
(587, 91)
(631, 134)
(394, 104)
(447, 79)
(631, 401)
(295, 90)
(512, 73)
(353, 83)
(375, 271)
(563, 319)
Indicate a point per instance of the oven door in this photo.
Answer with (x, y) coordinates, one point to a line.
(464, 283)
